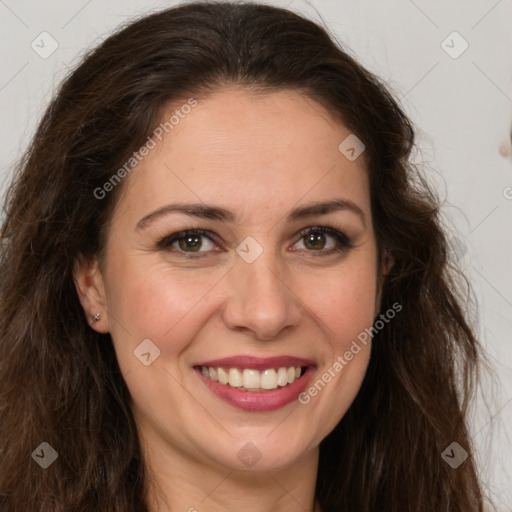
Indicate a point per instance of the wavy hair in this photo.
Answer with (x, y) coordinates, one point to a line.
(60, 381)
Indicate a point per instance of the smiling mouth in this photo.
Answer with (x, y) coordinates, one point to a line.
(251, 379)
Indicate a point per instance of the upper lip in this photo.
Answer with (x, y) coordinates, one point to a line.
(257, 363)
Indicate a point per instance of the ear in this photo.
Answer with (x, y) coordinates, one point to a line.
(91, 292)
(385, 265)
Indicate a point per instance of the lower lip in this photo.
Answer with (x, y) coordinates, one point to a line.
(258, 400)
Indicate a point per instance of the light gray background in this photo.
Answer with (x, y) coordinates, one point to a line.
(461, 106)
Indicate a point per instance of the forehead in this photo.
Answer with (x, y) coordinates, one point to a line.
(252, 153)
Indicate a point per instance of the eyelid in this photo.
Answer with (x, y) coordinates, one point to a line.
(168, 240)
(338, 235)
(344, 242)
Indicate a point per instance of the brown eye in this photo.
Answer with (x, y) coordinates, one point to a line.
(191, 241)
(317, 239)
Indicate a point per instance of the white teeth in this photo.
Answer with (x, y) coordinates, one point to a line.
(282, 377)
(223, 376)
(269, 379)
(235, 378)
(251, 379)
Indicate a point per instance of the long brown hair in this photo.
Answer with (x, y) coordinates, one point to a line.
(60, 381)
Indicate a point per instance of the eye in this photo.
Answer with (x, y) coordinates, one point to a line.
(316, 239)
(190, 241)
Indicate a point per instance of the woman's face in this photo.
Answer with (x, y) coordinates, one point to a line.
(257, 289)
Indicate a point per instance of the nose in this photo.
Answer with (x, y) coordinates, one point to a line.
(261, 300)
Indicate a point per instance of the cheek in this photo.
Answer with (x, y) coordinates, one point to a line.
(345, 305)
(155, 302)
(345, 301)
(151, 301)
(346, 309)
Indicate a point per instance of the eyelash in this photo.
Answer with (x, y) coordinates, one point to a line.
(344, 242)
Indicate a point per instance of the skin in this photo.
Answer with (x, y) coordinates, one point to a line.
(259, 156)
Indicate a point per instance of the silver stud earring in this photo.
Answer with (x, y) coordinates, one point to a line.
(96, 318)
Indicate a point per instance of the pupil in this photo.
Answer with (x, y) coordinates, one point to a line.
(190, 242)
(314, 239)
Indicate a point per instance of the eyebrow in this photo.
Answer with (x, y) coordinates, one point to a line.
(212, 212)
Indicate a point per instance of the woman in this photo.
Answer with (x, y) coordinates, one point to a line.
(224, 285)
